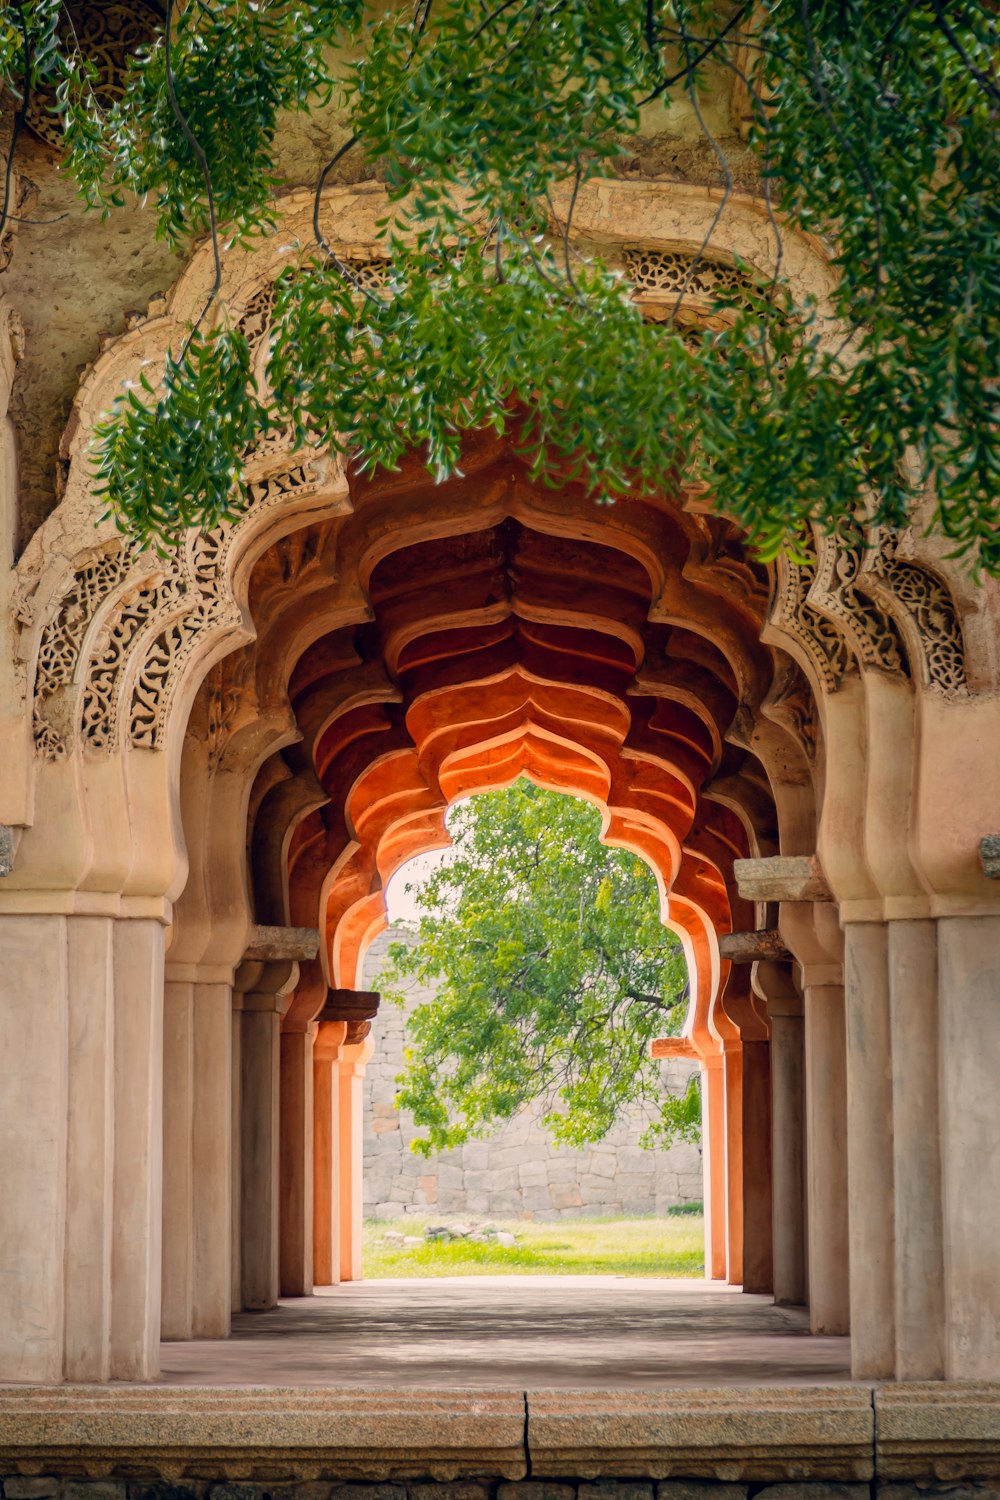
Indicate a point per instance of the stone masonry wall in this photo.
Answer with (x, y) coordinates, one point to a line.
(517, 1172)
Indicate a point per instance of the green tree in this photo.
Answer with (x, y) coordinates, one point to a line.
(552, 971)
(875, 130)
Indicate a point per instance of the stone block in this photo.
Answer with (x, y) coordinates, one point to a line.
(761, 1434)
(812, 1491)
(83, 1489)
(35, 1488)
(392, 1210)
(368, 1492)
(191, 1491)
(429, 1187)
(945, 1429)
(455, 1491)
(567, 1196)
(610, 1489)
(532, 1174)
(385, 1126)
(532, 1489)
(699, 1489)
(603, 1164)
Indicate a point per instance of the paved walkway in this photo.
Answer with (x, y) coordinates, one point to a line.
(521, 1332)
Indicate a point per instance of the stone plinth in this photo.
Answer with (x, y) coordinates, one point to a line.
(757, 1433)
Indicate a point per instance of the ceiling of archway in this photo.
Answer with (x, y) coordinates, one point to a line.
(442, 639)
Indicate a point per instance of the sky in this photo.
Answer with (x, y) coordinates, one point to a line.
(399, 903)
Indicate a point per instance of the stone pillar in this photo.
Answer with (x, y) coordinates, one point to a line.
(81, 1023)
(869, 1151)
(261, 992)
(178, 1109)
(90, 1148)
(352, 1063)
(326, 1152)
(33, 1140)
(919, 1250)
(713, 1154)
(758, 1256)
(197, 1189)
(138, 1154)
(784, 1010)
(969, 997)
(811, 930)
(732, 1063)
(296, 1163)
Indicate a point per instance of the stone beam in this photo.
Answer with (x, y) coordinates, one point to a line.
(783, 877)
(671, 1046)
(282, 944)
(350, 1005)
(750, 947)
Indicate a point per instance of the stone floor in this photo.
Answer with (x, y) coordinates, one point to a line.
(479, 1332)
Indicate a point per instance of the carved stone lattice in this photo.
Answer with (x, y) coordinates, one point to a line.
(826, 648)
(211, 608)
(107, 33)
(871, 630)
(62, 642)
(664, 273)
(371, 272)
(255, 321)
(928, 602)
(99, 715)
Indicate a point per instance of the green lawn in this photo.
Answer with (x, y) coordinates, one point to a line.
(582, 1247)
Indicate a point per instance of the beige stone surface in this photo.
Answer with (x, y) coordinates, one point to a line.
(262, 1433)
(938, 1429)
(754, 1433)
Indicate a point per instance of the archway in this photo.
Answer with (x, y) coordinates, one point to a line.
(252, 733)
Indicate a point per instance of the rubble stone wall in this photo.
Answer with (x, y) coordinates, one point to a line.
(517, 1172)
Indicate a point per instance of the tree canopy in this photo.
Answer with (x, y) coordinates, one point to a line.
(552, 972)
(874, 129)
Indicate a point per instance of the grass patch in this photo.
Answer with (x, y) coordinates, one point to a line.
(581, 1247)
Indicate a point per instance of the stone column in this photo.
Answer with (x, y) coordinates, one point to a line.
(826, 1152)
(713, 1151)
(758, 1252)
(178, 1110)
(261, 993)
(81, 1023)
(33, 1140)
(916, 1117)
(826, 1158)
(732, 1063)
(296, 1162)
(326, 1152)
(353, 1060)
(969, 997)
(138, 1154)
(784, 1011)
(869, 1151)
(90, 1148)
(197, 1258)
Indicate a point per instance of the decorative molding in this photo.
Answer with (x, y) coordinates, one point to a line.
(818, 637)
(870, 629)
(927, 607)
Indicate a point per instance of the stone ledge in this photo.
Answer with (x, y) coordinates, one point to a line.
(938, 1429)
(269, 1433)
(727, 1433)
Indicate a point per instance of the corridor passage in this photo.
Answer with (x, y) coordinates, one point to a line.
(516, 1331)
